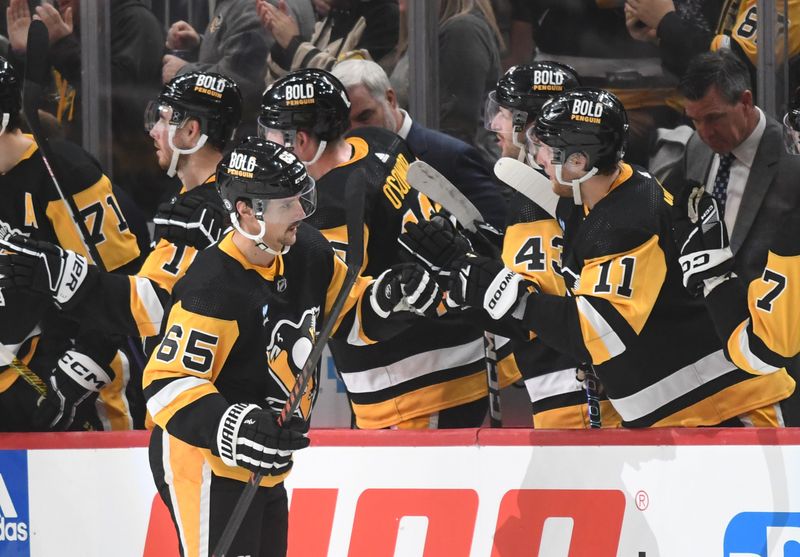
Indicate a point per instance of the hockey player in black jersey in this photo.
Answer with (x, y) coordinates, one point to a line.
(242, 323)
(758, 322)
(191, 122)
(433, 375)
(652, 345)
(533, 242)
(31, 330)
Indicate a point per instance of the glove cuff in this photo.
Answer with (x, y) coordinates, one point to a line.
(75, 270)
(374, 302)
(228, 430)
(502, 293)
(83, 370)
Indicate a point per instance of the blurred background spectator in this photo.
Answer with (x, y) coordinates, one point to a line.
(235, 45)
(591, 37)
(469, 66)
(362, 28)
(136, 44)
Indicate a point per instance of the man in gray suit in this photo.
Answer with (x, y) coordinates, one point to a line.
(737, 152)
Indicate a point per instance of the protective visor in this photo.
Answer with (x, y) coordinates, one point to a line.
(287, 210)
(281, 137)
(159, 112)
(500, 119)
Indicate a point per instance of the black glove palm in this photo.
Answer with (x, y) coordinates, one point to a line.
(701, 237)
(190, 220)
(435, 244)
(405, 289)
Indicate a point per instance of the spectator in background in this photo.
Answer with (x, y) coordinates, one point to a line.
(374, 103)
(234, 44)
(136, 46)
(469, 66)
(590, 36)
(685, 28)
(737, 151)
(363, 28)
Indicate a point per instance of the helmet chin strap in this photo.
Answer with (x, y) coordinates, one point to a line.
(4, 123)
(523, 152)
(317, 155)
(177, 152)
(576, 183)
(258, 239)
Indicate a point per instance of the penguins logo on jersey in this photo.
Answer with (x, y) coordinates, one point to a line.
(287, 352)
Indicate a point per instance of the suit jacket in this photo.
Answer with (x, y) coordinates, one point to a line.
(772, 190)
(464, 167)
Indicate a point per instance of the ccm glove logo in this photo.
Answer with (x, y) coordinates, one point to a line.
(84, 371)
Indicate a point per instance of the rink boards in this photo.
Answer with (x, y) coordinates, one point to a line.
(498, 493)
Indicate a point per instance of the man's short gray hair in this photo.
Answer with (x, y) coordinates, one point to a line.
(363, 72)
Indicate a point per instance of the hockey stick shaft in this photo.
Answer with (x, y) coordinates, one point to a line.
(433, 184)
(354, 193)
(592, 386)
(36, 67)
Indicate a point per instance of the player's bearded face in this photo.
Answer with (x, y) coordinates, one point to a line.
(503, 126)
(282, 217)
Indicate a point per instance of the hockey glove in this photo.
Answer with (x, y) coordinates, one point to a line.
(705, 255)
(250, 437)
(485, 283)
(435, 244)
(44, 268)
(486, 241)
(403, 290)
(189, 220)
(72, 387)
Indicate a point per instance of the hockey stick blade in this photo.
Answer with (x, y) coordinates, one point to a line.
(524, 179)
(426, 179)
(354, 194)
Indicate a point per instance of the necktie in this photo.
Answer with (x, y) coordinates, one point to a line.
(720, 191)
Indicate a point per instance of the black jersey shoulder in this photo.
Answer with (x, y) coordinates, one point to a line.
(522, 210)
(633, 212)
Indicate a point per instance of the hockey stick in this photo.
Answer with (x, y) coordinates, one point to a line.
(7, 358)
(426, 179)
(524, 179)
(354, 193)
(591, 384)
(36, 67)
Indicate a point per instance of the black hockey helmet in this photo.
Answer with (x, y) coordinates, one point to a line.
(585, 120)
(10, 96)
(211, 98)
(525, 88)
(260, 170)
(791, 125)
(306, 99)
